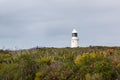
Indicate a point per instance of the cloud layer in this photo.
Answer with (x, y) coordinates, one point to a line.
(45, 23)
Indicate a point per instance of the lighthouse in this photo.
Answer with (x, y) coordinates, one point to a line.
(74, 40)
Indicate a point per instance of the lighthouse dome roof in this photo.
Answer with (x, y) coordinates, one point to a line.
(74, 31)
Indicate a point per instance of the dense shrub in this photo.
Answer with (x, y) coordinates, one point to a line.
(91, 63)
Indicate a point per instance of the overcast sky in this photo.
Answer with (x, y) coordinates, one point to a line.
(49, 23)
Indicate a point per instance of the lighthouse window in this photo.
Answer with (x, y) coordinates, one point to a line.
(74, 34)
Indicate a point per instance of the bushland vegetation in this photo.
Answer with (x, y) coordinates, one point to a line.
(86, 63)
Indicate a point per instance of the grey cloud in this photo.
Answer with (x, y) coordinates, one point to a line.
(50, 22)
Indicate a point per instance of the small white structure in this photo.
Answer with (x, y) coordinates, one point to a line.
(74, 40)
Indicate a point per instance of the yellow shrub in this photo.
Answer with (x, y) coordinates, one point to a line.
(82, 57)
(38, 76)
(44, 60)
(87, 77)
(94, 55)
(105, 54)
(77, 60)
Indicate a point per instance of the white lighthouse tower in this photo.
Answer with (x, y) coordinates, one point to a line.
(74, 40)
